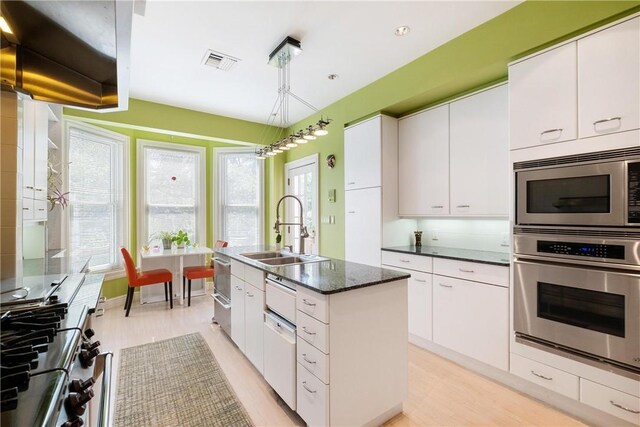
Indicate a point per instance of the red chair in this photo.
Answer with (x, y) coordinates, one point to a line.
(150, 277)
(199, 271)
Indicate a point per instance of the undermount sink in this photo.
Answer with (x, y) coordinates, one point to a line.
(278, 258)
(262, 255)
(282, 260)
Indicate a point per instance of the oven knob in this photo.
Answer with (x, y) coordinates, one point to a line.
(75, 402)
(89, 333)
(73, 423)
(79, 385)
(87, 356)
(88, 345)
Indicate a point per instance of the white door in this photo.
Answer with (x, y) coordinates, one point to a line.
(363, 155)
(363, 219)
(302, 182)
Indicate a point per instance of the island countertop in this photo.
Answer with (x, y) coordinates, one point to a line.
(325, 277)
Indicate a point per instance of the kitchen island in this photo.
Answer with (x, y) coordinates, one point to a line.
(344, 325)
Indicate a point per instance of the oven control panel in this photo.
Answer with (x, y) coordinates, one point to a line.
(582, 249)
(633, 191)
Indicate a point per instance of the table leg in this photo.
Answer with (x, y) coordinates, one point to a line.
(179, 281)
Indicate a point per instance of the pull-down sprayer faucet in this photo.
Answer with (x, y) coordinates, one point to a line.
(303, 230)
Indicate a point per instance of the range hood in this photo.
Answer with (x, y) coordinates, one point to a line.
(74, 53)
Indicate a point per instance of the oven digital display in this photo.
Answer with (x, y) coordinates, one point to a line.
(582, 249)
(593, 310)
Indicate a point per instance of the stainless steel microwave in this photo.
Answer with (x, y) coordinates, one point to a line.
(597, 189)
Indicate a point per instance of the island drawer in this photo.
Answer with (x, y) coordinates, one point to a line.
(313, 399)
(314, 360)
(411, 262)
(254, 277)
(282, 300)
(237, 269)
(312, 303)
(473, 271)
(614, 402)
(313, 331)
(546, 376)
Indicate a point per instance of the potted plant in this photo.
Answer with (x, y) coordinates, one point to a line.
(166, 238)
(181, 238)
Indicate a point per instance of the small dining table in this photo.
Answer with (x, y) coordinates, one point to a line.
(174, 260)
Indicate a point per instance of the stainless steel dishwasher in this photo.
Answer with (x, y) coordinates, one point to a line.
(222, 292)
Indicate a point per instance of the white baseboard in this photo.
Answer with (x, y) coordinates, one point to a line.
(118, 301)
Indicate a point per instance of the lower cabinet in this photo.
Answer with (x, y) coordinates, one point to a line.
(254, 329)
(313, 398)
(420, 304)
(546, 376)
(237, 312)
(472, 318)
(614, 402)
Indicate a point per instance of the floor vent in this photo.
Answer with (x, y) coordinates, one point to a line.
(219, 60)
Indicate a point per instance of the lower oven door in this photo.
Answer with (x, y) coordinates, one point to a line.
(591, 310)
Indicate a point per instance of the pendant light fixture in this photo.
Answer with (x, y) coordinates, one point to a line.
(281, 58)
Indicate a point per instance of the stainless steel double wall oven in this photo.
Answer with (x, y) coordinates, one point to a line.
(577, 249)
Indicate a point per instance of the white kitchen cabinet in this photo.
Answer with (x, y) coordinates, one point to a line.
(363, 222)
(254, 325)
(420, 304)
(614, 402)
(40, 210)
(237, 312)
(542, 98)
(479, 154)
(472, 318)
(34, 160)
(41, 141)
(28, 149)
(423, 154)
(363, 155)
(609, 80)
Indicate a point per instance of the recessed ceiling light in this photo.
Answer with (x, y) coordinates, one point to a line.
(332, 76)
(402, 30)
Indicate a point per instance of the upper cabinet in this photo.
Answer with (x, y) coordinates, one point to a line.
(363, 155)
(609, 80)
(423, 152)
(479, 154)
(581, 89)
(35, 131)
(543, 94)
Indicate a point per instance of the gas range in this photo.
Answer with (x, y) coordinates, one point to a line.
(48, 361)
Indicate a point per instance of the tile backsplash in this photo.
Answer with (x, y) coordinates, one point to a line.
(478, 234)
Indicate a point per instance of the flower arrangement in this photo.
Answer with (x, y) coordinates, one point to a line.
(55, 194)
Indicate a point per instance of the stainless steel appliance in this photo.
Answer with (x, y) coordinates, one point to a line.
(596, 189)
(222, 291)
(577, 292)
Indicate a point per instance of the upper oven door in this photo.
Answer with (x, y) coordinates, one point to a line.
(591, 194)
(591, 310)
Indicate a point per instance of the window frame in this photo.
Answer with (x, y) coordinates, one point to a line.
(117, 270)
(141, 205)
(219, 183)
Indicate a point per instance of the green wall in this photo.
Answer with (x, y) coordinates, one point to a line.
(475, 59)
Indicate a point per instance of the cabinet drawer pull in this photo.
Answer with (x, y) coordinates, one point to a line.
(624, 408)
(541, 376)
(40, 209)
(421, 280)
(352, 212)
(550, 131)
(304, 357)
(250, 295)
(310, 304)
(238, 288)
(39, 189)
(25, 209)
(351, 183)
(608, 119)
(466, 271)
(445, 286)
(304, 384)
(437, 207)
(463, 206)
(29, 187)
(405, 260)
(304, 329)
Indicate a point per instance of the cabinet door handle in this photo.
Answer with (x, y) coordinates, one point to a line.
(421, 280)
(238, 288)
(29, 187)
(624, 408)
(39, 189)
(466, 271)
(541, 376)
(351, 212)
(305, 302)
(40, 209)
(351, 183)
(250, 295)
(304, 385)
(304, 329)
(405, 260)
(551, 131)
(445, 286)
(25, 209)
(437, 207)
(608, 119)
(304, 357)
(463, 206)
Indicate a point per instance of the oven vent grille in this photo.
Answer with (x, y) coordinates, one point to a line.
(620, 154)
(581, 232)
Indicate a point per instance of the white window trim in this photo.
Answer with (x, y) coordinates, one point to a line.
(126, 185)
(312, 160)
(217, 200)
(140, 185)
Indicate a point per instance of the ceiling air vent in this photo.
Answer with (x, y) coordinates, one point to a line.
(219, 60)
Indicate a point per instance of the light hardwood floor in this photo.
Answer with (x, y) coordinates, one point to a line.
(441, 393)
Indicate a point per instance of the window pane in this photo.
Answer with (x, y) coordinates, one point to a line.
(170, 218)
(90, 170)
(171, 177)
(242, 225)
(242, 176)
(93, 233)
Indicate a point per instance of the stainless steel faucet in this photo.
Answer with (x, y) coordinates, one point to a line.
(303, 230)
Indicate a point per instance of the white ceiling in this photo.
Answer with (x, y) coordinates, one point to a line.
(352, 39)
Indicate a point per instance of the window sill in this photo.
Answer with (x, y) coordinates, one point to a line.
(110, 274)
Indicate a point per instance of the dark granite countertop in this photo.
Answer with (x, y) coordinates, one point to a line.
(325, 277)
(55, 261)
(483, 257)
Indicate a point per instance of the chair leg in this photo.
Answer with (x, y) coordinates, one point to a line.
(189, 293)
(166, 292)
(127, 299)
(171, 294)
(184, 280)
(130, 298)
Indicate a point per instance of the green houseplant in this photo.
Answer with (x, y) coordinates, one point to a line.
(166, 238)
(181, 238)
